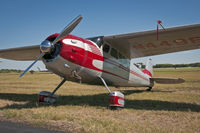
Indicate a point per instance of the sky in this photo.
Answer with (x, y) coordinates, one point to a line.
(29, 22)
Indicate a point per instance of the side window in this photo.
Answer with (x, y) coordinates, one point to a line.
(106, 48)
(114, 53)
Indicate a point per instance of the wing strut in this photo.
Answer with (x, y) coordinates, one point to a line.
(105, 84)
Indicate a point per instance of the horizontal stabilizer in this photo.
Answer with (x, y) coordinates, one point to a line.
(168, 80)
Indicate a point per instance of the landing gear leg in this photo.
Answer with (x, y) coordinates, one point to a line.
(105, 84)
(59, 85)
(49, 97)
(149, 89)
(116, 100)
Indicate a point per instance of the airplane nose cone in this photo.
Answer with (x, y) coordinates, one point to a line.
(46, 46)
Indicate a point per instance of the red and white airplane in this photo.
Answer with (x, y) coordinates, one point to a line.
(105, 59)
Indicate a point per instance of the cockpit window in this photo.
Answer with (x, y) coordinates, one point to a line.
(106, 48)
(97, 40)
(114, 53)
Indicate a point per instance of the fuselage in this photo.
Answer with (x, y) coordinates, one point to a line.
(82, 60)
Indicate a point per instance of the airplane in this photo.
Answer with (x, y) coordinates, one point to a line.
(105, 60)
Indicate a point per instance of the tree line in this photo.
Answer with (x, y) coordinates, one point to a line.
(176, 65)
(141, 65)
(10, 70)
(14, 70)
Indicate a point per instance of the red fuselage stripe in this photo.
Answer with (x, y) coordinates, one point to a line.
(147, 72)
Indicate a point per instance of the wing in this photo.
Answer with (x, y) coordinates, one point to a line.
(21, 53)
(143, 44)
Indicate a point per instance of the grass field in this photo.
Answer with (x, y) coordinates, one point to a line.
(83, 108)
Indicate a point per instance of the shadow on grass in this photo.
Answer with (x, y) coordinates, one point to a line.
(129, 92)
(100, 100)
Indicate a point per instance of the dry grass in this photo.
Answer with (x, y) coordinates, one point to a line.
(83, 108)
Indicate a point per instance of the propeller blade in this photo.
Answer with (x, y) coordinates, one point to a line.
(31, 65)
(68, 29)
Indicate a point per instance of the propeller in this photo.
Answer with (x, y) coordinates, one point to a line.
(46, 45)
(68, 29)
(31, 64)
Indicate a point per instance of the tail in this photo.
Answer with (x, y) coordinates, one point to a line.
(149, 71)
(149, 68)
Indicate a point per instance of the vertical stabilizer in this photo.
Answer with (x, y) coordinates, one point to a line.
(149, 68)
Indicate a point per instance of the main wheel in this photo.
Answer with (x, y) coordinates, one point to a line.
(149, 89)
(46, 97)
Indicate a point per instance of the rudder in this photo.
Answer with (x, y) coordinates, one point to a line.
(149, 68)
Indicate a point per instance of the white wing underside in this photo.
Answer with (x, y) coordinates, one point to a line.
(143, 44)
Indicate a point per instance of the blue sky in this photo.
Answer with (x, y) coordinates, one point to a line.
(29, 22)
